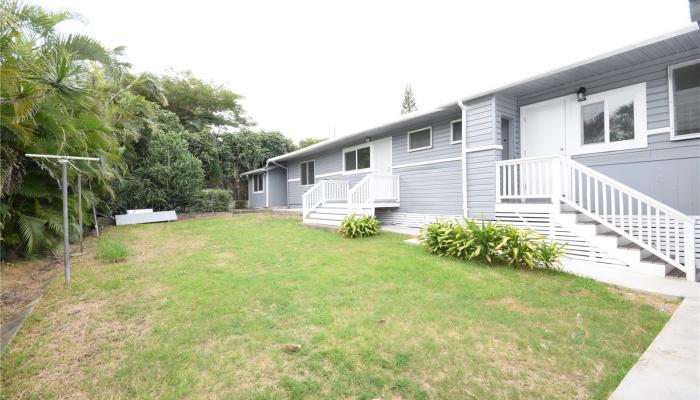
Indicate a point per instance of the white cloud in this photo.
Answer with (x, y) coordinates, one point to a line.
(307, 66)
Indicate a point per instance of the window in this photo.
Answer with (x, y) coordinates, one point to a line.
(356, 159)
(609, 118)
(684, 87)
(307, 173)
(258, 183)
(420, 139)
(456, 134)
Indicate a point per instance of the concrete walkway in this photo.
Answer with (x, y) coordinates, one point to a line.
(670, 368)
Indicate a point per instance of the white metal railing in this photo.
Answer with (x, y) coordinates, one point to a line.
(324, 190)
(360, 193)
(652, 225)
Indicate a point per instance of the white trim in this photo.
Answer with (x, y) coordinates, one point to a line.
(267, 192)
(463, 157)
(355, 149)
(658, 131)
(415, 164)
(452, 132)
(294, 180)
(329, 174)
(408, 139)
(307, 169)
(638, 92)
(483, 148)
(671, 108)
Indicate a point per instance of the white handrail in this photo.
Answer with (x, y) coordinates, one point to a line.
(375, 188)
(360, 193)
(652, 225)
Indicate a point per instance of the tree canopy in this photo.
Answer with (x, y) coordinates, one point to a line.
(160, 139)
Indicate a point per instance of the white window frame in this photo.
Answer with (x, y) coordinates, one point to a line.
(262, 183)
(300, 177)
(671, 106)
(574, 141)
(408, 139)
(452, 132)
(355, 149)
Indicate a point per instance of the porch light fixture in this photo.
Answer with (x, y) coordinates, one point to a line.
(367, 139)
(581, 94)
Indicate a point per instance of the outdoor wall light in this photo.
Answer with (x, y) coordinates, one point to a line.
(581, 94)
(367, 139)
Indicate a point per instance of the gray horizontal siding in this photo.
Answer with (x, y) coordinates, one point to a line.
(480, 122)
(668, 171)
(507, 107)
(481, 183)
(442, 148)
(432, 189)
(277, 185)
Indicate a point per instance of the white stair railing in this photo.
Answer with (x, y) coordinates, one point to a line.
(324, 190)
(650, 224)
(375, 188)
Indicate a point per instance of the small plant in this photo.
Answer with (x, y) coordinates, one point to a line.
(211, 200)
(491, 243)
(353, 226)
(549, 254)
(112, 250)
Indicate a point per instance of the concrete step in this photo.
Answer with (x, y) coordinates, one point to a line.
(327, 217)
(321, 222)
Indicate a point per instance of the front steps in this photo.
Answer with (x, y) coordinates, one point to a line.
(638, 259)
(331, 214)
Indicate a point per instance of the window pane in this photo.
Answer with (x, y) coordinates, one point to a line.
(686, 99)
(457, 131)
(350, 161)
(419, 139)
(310, 179)
(303, 174)
(363, 158)
(593, 121)
(621, 119)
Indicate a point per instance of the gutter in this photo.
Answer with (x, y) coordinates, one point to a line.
(461, 105)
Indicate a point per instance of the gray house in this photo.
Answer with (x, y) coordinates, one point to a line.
(603, 155)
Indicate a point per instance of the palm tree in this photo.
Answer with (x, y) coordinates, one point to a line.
(59, 94)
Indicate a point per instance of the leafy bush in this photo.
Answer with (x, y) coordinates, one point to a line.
(491, 243)
(112, 250)
(353, 226)
(210, 200)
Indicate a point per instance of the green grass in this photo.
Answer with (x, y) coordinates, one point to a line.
(112, 250)
(203, 307)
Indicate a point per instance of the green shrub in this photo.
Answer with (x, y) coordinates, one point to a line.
(353, 226)
(491, 243)
(112, 250)
(211, 200)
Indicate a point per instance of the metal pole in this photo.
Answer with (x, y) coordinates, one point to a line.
(80, 210)
(66, 244)
(94, 213)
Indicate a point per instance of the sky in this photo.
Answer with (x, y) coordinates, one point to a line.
(330, 68)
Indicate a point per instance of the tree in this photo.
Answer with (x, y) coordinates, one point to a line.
(309, 141)
(199, 104)
(408, 105)
(51, 104)
(169, 177)
(247, 150)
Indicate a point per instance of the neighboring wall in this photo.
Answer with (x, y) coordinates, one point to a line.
(666, 170)
(255, 200)
(277, 185)
(432, 187)
(481, 132)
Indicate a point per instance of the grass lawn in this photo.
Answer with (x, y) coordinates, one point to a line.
(202, 309)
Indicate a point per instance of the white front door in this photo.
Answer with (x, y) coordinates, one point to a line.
(381, 156)
(543, 128)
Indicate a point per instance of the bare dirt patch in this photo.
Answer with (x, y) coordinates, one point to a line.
(666, 305)
(513, 305)
(22, 282)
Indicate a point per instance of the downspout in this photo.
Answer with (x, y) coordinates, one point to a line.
(464, 157)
